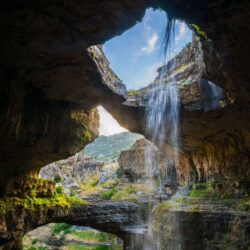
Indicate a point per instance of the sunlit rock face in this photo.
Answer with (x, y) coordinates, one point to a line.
(145, 163)
(134, 161)
(72, 171)
(186, 68)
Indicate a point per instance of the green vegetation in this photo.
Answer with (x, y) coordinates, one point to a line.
(199, 31)
(34, 241)
(107, 195)
(59, 189)
(2, 208)
(57, 178)
(61, 228)
(119, 173)
(209, 190)
(81, 120)
(107, 148)
(133, 92)
(243, 205)
(91, 236)
(110, 183)
(31, 203)
(31, 199)
(171, 204)
(121, 192)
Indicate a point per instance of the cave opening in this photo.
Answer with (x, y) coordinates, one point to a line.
(136, 55)
(70, 237)
(120, 166)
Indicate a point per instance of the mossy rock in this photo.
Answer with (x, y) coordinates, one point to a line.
(30, 186)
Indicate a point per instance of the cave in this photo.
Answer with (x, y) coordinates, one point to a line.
(54, 75)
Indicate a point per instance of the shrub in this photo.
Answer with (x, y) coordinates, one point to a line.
(107, 195)
(59, 189)
(34, 241)
(61, 227)
(119, 173)
(57, 178)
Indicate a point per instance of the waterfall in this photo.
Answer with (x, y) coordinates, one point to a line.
(163, 112)
(162, 118)
(162, 107)
(162, 125)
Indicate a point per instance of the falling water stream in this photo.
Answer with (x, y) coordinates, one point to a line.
(162, 116)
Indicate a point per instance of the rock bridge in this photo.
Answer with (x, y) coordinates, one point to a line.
(109, 217)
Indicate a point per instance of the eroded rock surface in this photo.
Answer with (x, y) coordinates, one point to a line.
(135, 161)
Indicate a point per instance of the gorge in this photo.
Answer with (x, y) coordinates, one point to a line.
(54, 75)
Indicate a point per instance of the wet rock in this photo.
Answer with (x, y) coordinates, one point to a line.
(200, 224)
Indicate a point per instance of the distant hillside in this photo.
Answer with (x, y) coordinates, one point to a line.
(106, 148)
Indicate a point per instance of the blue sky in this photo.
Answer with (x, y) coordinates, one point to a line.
(137, 53)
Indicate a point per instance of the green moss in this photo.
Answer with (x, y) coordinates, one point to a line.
(112, 75)
(84, 136)
(81, 120)
(59, 189)
(31, 204)
(119, 193)
(201, 193)
(199, 31)
(166, 205)
(110, 183)
(213, 190)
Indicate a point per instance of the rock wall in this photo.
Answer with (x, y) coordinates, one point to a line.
(200, 225)
(71, 172)
(145, 163)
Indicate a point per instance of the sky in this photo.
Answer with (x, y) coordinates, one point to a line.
(136, 54)
(108, 125)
